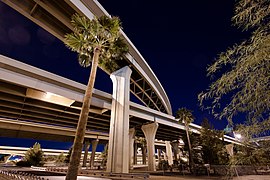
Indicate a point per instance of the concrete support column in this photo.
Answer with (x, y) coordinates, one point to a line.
(159, 154)
(143, 154)
(131, 147)
(118, 150)
(86, 148)
(165, 156)
(149, 131)
(93, 154)
(175, 146)
(169, 152)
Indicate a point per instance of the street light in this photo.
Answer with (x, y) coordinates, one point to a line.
(237, 135)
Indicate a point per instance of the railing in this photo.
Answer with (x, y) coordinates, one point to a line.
(56, 169)
(121, 175)
(102, 173)
(10, 175)
(21, 175)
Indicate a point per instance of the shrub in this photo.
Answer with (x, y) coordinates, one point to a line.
(23, 163)
(35, 156)
(61, 159)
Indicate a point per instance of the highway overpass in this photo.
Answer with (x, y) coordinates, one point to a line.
(55, 17)
(32, 95)
(41, 105)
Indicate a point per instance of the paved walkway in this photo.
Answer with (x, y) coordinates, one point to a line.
(181, 177)
(253, 177)
(55, 176)
(78, 178)
(250, 177)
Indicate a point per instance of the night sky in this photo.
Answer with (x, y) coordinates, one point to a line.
(178, 39)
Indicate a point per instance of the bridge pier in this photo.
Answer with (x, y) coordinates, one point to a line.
(159, 155)
(93, 153)
(175, 146)
(86, 148)
(169, 152)
(131, 147)
(118, 150)
(165, 156)
(149, 131)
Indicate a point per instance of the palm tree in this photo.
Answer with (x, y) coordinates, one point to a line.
(97, 42)
(185, 116)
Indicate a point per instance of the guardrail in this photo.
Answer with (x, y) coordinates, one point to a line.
(12, 175)
(21, 175)
(102, 173)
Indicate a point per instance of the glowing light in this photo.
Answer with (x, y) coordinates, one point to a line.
(237, 135)
(184, 159)
(48, 95)
(181, 141)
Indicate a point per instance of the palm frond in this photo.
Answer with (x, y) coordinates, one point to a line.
(185, 115)
(100, 32)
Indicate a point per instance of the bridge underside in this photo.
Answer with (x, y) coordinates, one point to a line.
(19, 103)
(34, 135)
(55, 16)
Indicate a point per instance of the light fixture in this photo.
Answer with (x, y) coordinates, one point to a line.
(237, 135)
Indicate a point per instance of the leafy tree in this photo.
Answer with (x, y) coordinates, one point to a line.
(249, 155)
(212, 144)
(252, 151)
(245, 87)
(185, 116)
(35, 155)
(208, 147)
(195, 142)
(97, 42)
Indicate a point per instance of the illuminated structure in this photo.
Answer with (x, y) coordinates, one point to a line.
(30, 95)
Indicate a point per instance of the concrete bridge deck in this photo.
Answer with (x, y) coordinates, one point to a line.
(55, 17)
(29, 94)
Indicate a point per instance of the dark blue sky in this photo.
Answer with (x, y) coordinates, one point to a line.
(178, 39)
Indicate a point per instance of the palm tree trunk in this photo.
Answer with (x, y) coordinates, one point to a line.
(189, 150)
(80, 132)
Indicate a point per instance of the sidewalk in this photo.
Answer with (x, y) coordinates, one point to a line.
(182, 177)
(60, 176)
(253, 177)
(78, 178)
(249, 177)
